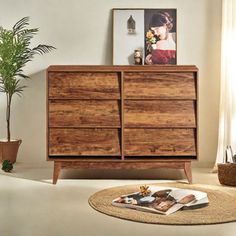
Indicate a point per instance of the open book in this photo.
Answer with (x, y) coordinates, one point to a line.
(162, 200)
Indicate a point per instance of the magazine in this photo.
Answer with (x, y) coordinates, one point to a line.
(162, 200)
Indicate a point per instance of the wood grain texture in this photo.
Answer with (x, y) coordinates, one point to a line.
(104, 68)
(159, 113)
(84, 141)
(155, 108)
(160, 142)
(118, 165)
(122, 117)
(84, 113)
(122, 165)
(56, 171)
(117, 159)
(188, 171)
(159, 85)
(84, 85)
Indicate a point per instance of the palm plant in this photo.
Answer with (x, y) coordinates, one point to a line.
(15, 53)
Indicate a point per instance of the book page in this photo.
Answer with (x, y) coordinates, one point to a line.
(163, 200)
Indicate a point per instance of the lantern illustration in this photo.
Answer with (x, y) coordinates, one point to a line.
(131, 25)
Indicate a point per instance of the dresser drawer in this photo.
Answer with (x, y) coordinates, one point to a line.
(84, 142)
(160, 142)
(159, 113)
(159, 85)
(84, 113)
(83, 85)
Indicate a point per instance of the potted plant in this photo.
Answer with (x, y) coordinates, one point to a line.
(15, 53)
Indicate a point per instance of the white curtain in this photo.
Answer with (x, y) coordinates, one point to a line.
(227, 115)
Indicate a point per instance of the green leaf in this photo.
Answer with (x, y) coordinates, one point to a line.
(21, 24)
(7, 166)
(41, 49)
(22, 75)
(15, 53)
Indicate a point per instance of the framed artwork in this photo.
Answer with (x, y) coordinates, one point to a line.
(144, 36)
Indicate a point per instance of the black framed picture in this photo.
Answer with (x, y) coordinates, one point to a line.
(150, 34)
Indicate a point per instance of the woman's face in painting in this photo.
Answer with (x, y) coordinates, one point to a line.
(160, 32)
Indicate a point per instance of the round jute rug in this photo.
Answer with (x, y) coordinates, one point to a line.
(221, 208)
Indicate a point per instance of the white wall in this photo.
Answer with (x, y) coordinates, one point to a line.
(82, 32)
(127, 43)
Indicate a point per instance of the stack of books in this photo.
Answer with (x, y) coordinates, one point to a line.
(230, 157)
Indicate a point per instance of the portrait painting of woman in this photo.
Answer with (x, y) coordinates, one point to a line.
(160, 28)
(152, 32)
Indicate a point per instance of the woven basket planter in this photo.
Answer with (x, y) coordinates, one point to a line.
(227, 174)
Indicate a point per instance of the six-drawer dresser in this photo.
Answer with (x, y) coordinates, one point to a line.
(122, 117)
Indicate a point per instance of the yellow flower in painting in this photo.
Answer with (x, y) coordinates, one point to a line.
(149, 34)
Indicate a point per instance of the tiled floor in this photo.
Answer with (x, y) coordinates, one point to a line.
(31, 206)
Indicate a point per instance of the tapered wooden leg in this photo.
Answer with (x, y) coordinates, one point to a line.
(188, 171)
(56, 172)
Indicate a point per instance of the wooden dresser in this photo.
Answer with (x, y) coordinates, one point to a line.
(122, 117)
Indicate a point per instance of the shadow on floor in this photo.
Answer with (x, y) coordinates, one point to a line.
(44, 174)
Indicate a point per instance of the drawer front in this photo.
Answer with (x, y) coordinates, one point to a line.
(82, 113)
(84, 85)
(160, 142)
(159, 113)
(84, 142)
(159, 85)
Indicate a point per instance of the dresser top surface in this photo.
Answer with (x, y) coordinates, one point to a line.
(111, 68)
